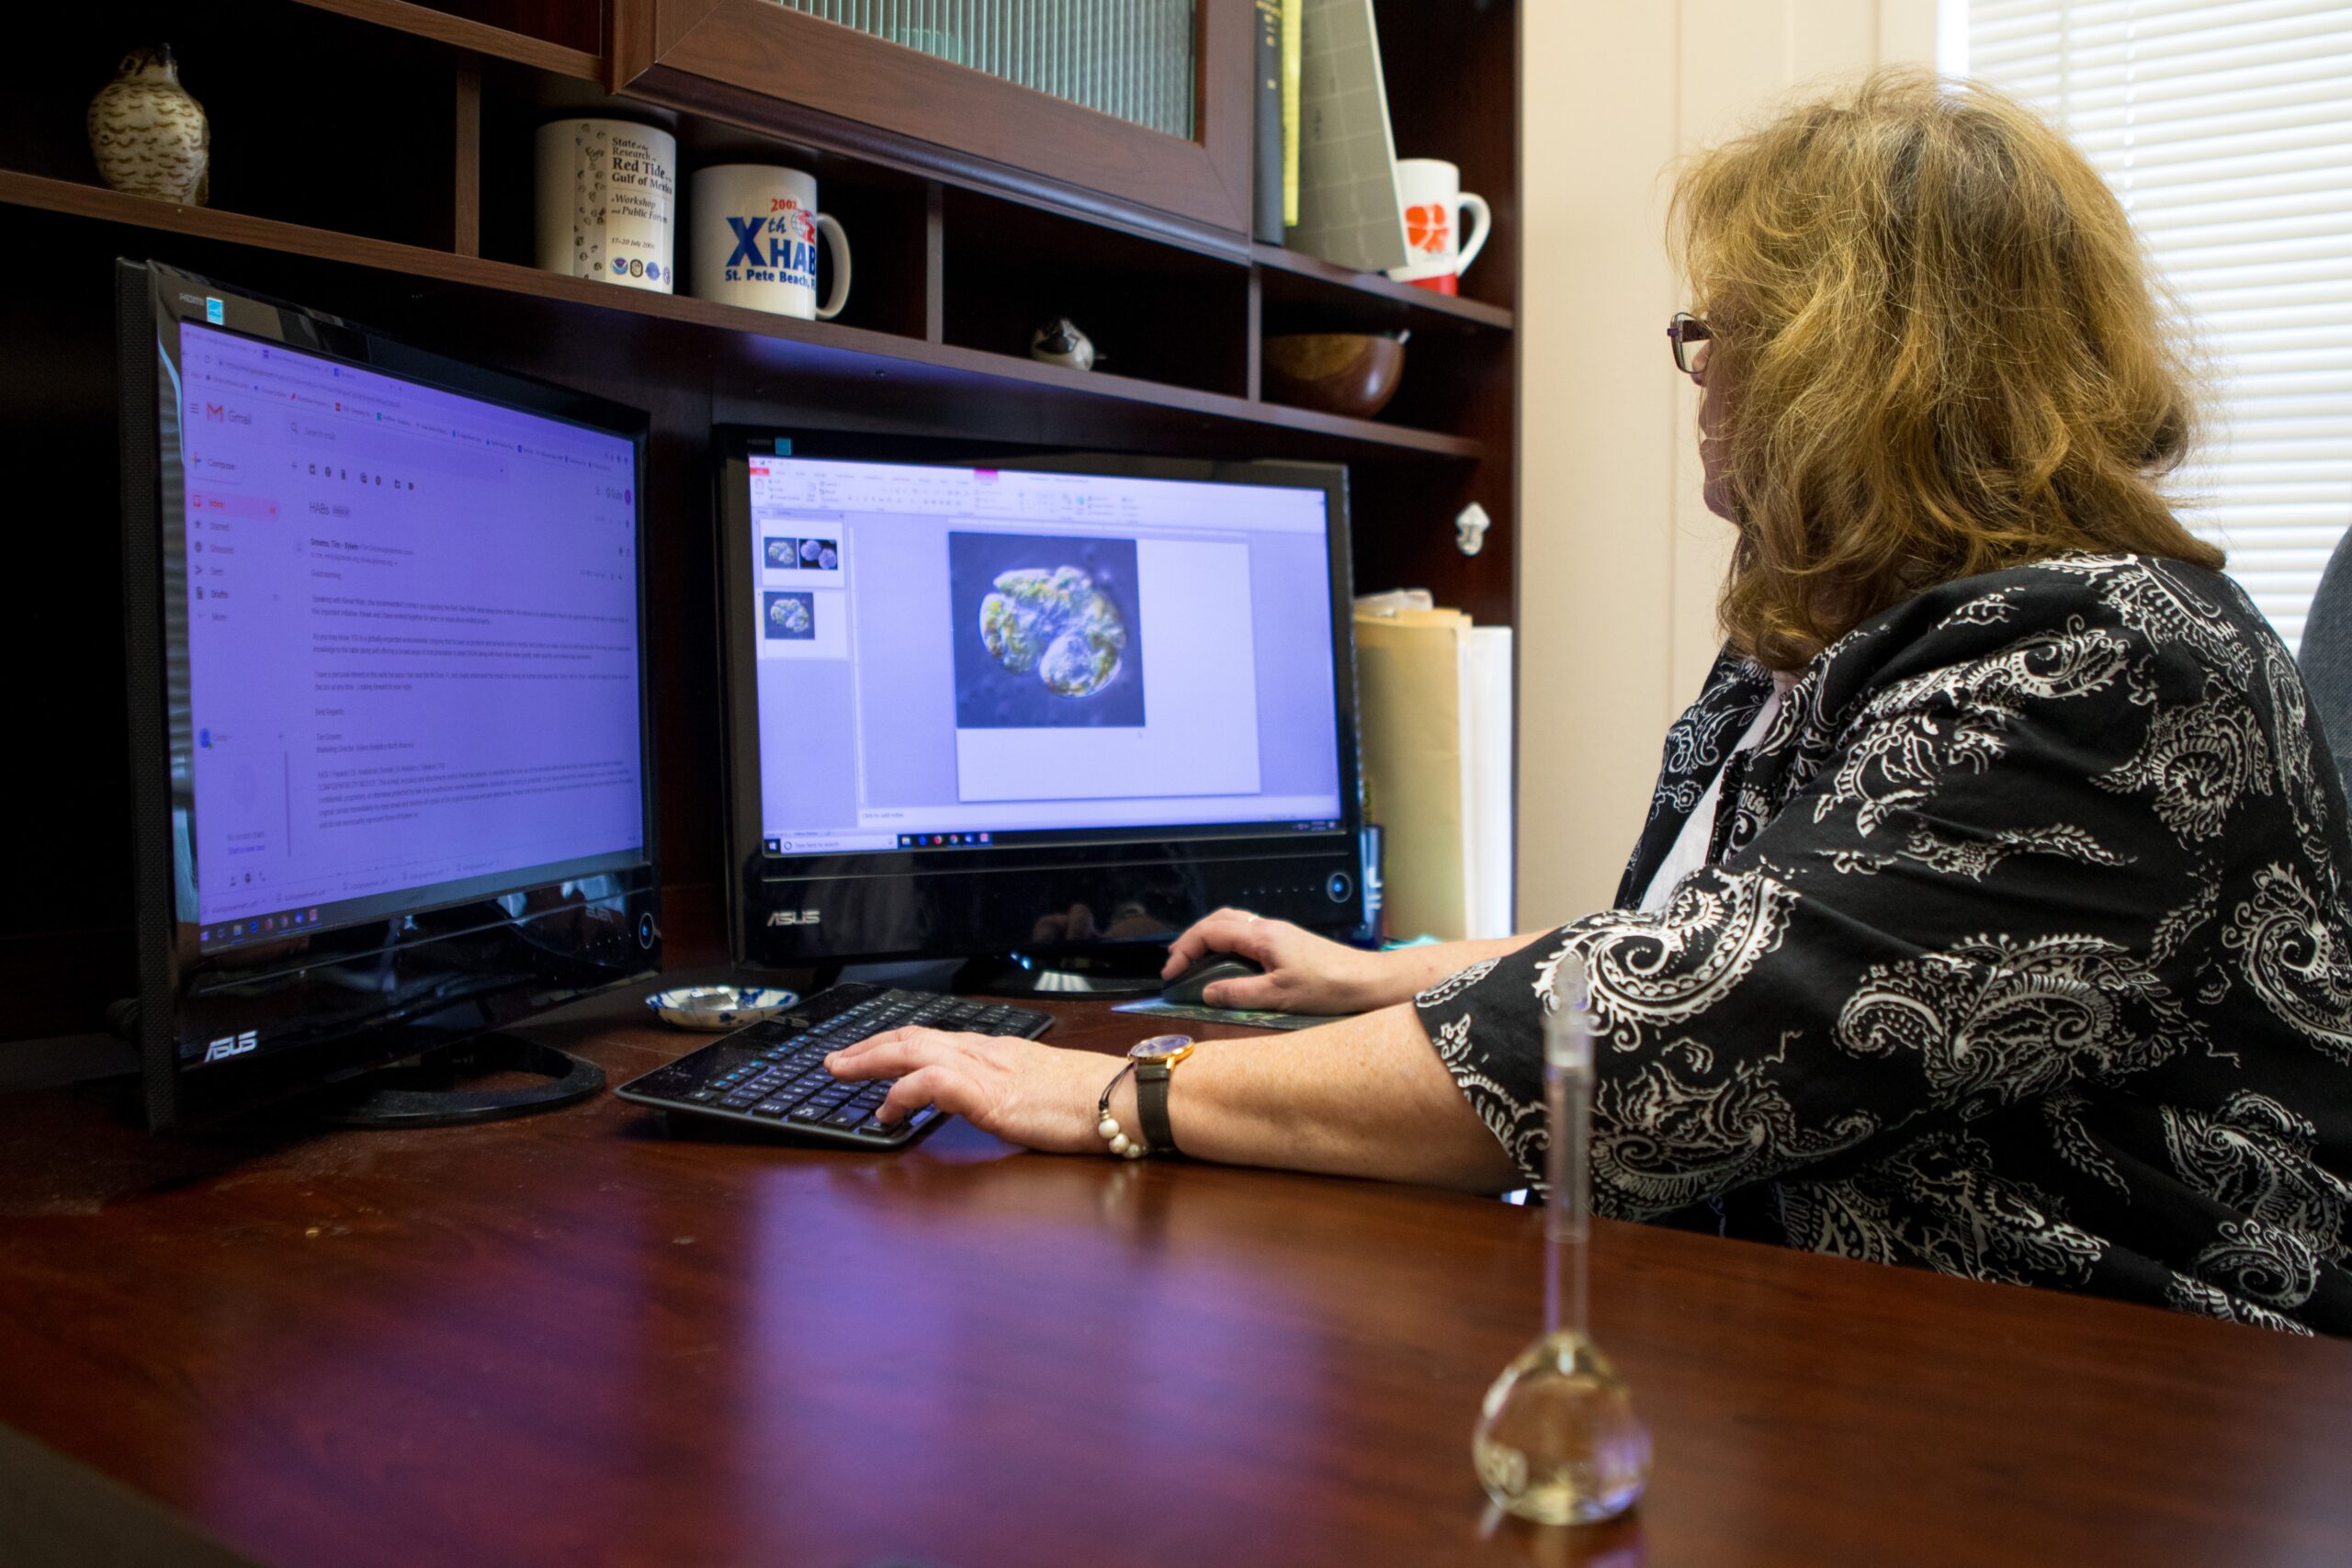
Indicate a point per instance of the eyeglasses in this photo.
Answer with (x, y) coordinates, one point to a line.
(1690, 337)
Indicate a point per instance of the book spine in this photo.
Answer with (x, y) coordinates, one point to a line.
(1294, 38)
(1266, 185)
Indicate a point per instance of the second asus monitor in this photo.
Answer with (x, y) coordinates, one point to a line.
(1048, 712)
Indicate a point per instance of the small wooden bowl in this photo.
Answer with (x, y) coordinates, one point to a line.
(1352, 374)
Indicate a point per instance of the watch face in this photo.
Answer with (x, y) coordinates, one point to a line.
(1159, 1045)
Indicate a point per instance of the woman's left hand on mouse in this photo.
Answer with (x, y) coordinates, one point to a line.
(1304, 972)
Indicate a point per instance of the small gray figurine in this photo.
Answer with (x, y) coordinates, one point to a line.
(1059, 342)
(149, 137)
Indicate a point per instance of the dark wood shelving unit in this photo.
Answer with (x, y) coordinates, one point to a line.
(373, 158)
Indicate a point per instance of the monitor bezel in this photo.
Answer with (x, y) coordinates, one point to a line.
(770, 898)
(328, 1043)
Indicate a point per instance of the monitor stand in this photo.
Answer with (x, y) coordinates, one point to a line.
(426, 1093)
(1123, 971)
(1113, 972)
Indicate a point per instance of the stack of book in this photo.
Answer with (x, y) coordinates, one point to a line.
(1326, 173)
(1435, 695)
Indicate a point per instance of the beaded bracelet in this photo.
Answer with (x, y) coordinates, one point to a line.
(1108, 1124)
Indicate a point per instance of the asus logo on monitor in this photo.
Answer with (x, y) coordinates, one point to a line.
(794, 918)
(233, 1046)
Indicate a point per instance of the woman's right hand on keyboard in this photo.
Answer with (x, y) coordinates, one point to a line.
(1037, 1096)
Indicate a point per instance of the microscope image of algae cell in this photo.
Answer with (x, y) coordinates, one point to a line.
(788, 616)
(1057, 623)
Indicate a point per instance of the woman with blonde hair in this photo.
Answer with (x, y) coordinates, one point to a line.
(1990, 912)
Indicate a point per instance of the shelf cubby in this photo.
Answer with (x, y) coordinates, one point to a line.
(1154, 312)
(884, 213)
(391, 98)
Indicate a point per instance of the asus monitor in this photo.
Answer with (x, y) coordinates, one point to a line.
(392, 780)
(1039, 714)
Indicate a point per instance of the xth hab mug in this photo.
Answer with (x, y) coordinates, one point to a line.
(755, 230)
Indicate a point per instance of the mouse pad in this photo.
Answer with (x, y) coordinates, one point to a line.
(1152, 1006)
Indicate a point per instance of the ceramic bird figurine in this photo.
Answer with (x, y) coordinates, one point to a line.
(149, 137)
(1059, 342)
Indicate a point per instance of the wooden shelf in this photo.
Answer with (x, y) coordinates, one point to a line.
(458, 32)
(830, 352)
(1433, 309)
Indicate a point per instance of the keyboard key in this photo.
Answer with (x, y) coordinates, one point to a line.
(847, 1116)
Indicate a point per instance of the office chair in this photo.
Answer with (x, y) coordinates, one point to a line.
(2326, 656)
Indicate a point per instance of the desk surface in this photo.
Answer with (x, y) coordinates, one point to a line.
(568, 1339)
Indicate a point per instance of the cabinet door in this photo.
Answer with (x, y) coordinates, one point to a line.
(831, 84)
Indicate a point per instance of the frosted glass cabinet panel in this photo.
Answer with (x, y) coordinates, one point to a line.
(1129, 58)
(1141, 110)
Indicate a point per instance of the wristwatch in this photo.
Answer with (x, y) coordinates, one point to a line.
(1154, 1060)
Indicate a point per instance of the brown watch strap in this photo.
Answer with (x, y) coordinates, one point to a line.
(1151, 1107)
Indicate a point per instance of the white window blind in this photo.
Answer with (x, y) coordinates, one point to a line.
(2226, 129)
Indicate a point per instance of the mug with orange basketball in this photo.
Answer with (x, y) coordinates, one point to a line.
(1429, 190)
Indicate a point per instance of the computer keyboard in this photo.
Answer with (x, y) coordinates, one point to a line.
(771, 1075)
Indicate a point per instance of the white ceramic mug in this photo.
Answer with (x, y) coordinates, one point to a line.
(1429, 190)
(607, 200)
(755, 240)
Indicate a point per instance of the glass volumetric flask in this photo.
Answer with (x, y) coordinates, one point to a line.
(1557, 1440)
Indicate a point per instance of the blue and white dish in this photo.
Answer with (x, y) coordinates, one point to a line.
(719, 1007)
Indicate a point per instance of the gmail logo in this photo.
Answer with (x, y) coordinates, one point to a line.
(216, 413)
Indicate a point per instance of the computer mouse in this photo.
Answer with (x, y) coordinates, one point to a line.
(1185, 989)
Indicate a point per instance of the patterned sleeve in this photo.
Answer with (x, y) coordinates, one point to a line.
(1948, 884)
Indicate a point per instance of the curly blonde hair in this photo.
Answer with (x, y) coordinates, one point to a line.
(1942, 351)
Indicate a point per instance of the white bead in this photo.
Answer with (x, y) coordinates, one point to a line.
(1108, 1127)
(1119, 1143)
(1133, 1151)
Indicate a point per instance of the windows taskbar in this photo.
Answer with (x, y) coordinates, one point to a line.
(988, 839)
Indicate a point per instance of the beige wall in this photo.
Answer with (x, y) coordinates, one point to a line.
(1619, 558)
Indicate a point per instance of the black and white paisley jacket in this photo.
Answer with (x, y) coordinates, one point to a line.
(2023, 954)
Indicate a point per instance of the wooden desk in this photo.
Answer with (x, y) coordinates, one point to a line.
(569, 1340)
